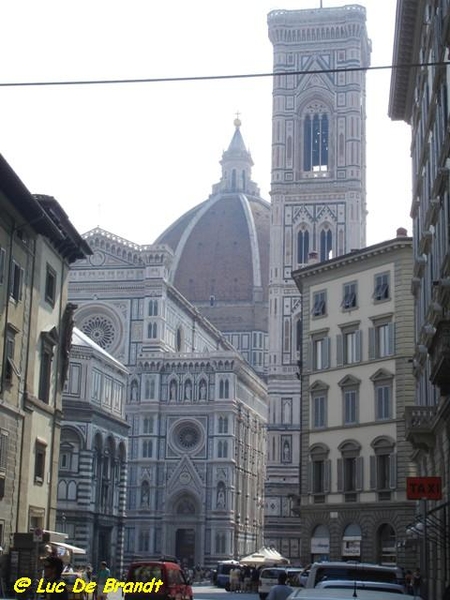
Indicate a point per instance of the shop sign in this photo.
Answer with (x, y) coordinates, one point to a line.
(351, 547)
(320, 546)
(423, 488)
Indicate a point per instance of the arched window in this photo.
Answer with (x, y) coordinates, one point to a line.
(147, 449)
(302, 246)
(148, 425)
(72, 491)
(223, 424)
(244, 181)
(150, 388)
(233, 180)
(326, 244)
(152, 331)
(222, 449)
(153, 308)
(145, 494)
(315, 149)
(179, 339)
(224, 388)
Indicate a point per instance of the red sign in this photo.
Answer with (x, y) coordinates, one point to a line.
(423, 488)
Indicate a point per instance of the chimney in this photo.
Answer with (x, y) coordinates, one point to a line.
(313, 257)
(402, 232)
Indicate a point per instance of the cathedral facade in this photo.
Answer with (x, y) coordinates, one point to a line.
(318, 195)
(196, 410)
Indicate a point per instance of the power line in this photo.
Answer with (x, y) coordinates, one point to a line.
(218, 77)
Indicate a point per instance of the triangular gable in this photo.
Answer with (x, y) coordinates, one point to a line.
(184, 476)
(381, 374)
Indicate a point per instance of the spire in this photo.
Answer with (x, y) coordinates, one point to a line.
(236, 165)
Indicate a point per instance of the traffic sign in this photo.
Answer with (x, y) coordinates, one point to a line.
(424, 488)
(38, 534)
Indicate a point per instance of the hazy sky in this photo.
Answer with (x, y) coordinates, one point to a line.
(132, 158)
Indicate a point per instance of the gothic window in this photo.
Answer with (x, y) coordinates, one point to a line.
(147, 449)
(233, 180)
(326, 244)
(153, 308)
(223, 424)
(152, 331)
(179, 339)
(302, 246)
(224, 388)
(145, 494)
(150, 388)
(148, 425)
(222, 449)
(244, 181)
(315, 149)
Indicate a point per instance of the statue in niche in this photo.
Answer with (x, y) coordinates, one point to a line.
(173, 391)
(134, 391)
(188, 391)
(220, 500)
(202, 390)
(286, 451)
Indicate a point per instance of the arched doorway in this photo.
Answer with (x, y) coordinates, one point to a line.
(320, 544)
(185, 510)
(386, 545)
(351, 542)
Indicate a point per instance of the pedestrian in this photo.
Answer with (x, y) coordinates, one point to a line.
(417, 582)
(409, 582)
(53, 568)
(280, 591)
(103, 574)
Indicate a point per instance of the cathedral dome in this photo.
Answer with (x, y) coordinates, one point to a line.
(221, 246)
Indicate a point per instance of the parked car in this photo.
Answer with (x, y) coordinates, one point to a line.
(336, 584)
(350, 571)
(222, 577)
(269, 577)
(338, 594)
(170, 573)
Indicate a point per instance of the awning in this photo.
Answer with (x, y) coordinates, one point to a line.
(73, 549)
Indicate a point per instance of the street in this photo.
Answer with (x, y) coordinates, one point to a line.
(204, 592)
(211, 592)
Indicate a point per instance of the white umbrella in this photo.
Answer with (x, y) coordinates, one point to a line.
(264, 556)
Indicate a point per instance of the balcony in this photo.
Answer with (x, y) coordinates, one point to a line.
(419, 426)
(440, 358)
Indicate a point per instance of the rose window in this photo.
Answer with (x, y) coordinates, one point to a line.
(100, 330)
(187, 436)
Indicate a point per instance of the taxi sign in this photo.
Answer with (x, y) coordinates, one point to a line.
(424, 488)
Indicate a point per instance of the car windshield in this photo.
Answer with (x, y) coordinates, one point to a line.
(145, 573)
(352, 573)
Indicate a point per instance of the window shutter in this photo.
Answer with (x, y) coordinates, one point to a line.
(309, 477)
(339, 350)
(393, 471)
(391, 330)
(340, 475)
(359, 479)
(327, 476)
(309, 357)
(326, 353)
(371, 343)
(358, 345)
(373, 472)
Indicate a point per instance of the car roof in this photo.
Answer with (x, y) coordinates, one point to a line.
(337, 594)
(358, 565)
(360, 584)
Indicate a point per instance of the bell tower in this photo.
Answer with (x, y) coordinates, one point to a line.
(318, 194)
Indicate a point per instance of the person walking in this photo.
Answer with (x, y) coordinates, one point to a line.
(280, 591)
(417, 582)
(103, 574)
(53, 568)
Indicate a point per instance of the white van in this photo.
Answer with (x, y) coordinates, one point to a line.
(269, 577)
(351, 571)
(328, 594)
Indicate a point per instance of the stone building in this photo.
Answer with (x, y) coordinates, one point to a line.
(419, 96)
(196, 409)
(93, 455)
(357, 382)
(318, 196)
(37, 245)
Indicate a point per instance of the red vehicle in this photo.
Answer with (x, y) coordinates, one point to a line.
(174, 584)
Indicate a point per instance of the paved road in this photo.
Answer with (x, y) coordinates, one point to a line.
(211, 592)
